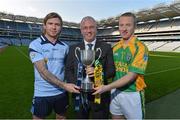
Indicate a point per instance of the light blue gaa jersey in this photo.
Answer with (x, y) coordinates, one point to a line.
(54, 56)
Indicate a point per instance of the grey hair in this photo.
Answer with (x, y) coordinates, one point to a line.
(88, 18)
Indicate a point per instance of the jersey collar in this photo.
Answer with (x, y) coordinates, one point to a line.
(131, 40)
(46, 41)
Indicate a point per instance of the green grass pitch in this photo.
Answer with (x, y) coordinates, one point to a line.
(16, 80)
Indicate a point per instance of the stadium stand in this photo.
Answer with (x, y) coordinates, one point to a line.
(21, 33)
(156, 45)
(171, 46)
(158, 27)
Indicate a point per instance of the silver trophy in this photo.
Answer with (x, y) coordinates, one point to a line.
(87, 57)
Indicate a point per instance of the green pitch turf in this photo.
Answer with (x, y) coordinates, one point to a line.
(16, 77)
(16, 87)
(162, 75)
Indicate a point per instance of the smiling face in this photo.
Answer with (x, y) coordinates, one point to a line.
(52, 28)
(88, 29)
(126, 26)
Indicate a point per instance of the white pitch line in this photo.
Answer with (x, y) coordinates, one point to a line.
(162, 55)
(22, 53)
(152, 73)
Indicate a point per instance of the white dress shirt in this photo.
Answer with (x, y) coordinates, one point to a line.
(93, 43)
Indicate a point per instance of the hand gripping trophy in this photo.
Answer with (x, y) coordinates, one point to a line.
(87, 57)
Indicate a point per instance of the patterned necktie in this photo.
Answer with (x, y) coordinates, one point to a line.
(90, 46)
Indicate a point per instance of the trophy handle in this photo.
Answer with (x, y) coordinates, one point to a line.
(77, 48)
(100, 52)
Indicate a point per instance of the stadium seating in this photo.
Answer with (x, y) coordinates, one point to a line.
(170, 47)
(158, 28)
(21, 33)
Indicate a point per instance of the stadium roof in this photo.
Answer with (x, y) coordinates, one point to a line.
(11, 17)
(158, 12)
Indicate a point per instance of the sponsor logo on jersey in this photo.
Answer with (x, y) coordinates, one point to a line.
(32, 55)
(128, 57)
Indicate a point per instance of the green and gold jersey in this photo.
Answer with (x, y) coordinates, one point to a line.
(131, 57)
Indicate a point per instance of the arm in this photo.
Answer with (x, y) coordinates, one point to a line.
(46, 75)
(138, 66)
(118, 83)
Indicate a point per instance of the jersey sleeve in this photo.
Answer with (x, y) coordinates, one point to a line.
(140, 60)
(35, 52)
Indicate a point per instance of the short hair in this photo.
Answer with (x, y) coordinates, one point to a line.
(129, 14)
(52, 15)
(88, 18)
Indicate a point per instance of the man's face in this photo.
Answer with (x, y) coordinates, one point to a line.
(88, 30)
(126, 27)
(52, 27)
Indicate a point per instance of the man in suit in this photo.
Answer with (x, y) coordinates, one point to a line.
(88, 29)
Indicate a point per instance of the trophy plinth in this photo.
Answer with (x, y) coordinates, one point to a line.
(87, 57)
(87, 87)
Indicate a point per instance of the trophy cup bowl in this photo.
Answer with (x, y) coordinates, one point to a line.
(87, 57)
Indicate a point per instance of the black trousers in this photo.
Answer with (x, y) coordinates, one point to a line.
(95, 111)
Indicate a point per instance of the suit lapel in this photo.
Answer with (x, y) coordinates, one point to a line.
(82, 47)
(97, 45)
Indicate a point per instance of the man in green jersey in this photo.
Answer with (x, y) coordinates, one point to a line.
(130, 58)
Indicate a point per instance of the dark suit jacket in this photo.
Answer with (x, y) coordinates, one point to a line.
(106, 60)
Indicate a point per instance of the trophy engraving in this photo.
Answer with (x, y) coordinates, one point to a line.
(87, 57)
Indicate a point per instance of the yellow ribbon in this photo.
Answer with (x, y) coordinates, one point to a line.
(98, 80)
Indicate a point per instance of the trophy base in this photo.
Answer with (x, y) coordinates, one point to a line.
(87, 90)
(87, 87)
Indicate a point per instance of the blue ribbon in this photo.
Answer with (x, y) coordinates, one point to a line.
(78, 83)
(82, 98)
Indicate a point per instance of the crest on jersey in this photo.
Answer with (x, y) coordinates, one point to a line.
(32, 55)
(128, 57)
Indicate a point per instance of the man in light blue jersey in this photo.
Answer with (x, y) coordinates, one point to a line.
(48, 55)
